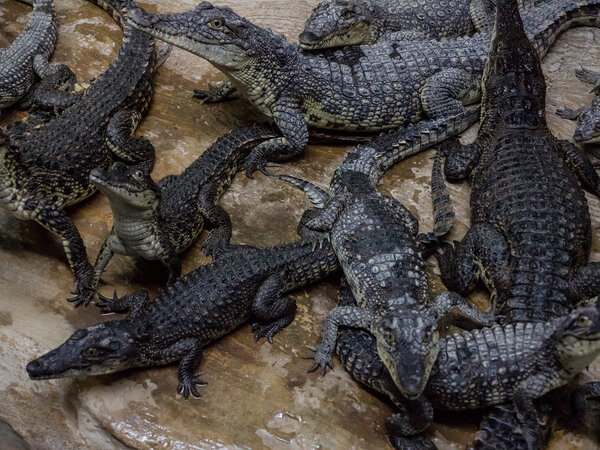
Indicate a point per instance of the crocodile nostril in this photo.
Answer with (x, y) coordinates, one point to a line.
(308, 37)
(33, 367)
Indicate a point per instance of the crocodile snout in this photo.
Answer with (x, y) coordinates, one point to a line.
(308, 37)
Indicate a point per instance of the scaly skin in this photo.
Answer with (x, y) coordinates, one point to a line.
(157, 221)
(368, 88)
(588, 116)
(47, 168)
(515, 362)
(28, 55)
(197, 309)
(336, 23)
(375, 239)
(530, 232)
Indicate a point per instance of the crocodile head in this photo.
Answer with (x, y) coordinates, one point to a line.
(104, 348)
(578, 338)
(127, 187)
(407, 343)
(337, 23)
(217, 34)
(588, 124)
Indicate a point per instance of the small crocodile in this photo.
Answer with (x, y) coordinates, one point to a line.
(588, 116)
(198, 308)
(375, 239)
(47, 168)
(335, 23)
(514, 362)
(530, 234)
(157, 221)
(28, 55)
(355, 88)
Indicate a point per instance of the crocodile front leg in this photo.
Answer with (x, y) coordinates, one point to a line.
(483, 252)
(348, 316)
(171, 260)
(416, 417)
(533, 387)
(571, 114)
(316, 223)
(590, 77)
(459, 311)
(445, 93)
(56, 221)
(218, 219)
(104, 256)
(216, 94)
(460, 159)
(272, 312)
(585, 283)
(579, 163)
(292, 124)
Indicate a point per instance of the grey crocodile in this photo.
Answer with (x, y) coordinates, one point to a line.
(28, 54)
(371, 87)
(198, 308)
(45, 168)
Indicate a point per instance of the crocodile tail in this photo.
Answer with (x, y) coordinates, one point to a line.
(443, 212)
(116, 8)
(315, 194)
(548, 19)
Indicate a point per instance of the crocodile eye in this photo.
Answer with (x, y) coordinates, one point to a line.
(138, 175)
(91, 351)
(216, 24)
(583, 320)
(346, 15)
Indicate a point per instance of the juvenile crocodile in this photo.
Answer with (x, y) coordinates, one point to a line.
(157, 221)
(375, 239)
(198, 308)
(588, 116)
(515, 362)
(371, 87)
(28, 54)
(336, 23)
(47, 168)
(530, 232)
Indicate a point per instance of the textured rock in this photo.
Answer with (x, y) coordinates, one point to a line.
(258, 395)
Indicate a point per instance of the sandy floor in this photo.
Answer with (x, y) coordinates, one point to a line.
(259, 395)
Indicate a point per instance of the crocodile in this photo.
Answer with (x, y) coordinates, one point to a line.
(588, 116)
(198, 308)
(47, 168)
(28, 54)
(375, 239)
(355, 88)
(157, 221)
(530, 233)
(517, 362)
(335, 23)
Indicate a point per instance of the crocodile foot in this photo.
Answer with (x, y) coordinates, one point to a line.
(269, 329)
(83, 293)
(322, 360)
(187, 386)
(256, 161)
(110, 305)
(211, 95)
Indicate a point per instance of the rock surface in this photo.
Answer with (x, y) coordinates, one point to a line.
(259, 395)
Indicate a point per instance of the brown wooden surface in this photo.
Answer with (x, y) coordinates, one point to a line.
(258, 395)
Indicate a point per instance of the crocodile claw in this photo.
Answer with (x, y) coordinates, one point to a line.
(187, 387)
(108, 305)
(322, 359)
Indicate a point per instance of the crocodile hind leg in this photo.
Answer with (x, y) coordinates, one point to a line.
(56, 221)
(121, 141)
(316, 222)
(272, 312)
(131, 303)
(580, 164)
(216, 94)
(445, 93)
(483, 252)
(218, 220)
(53, 91)
(532, 388)
(482, 15)
(292, 124)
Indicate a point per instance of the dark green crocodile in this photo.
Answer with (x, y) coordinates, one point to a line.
(28, 54)
(515, 362)
(195, 310)
(375, 239)
(47, 168)
(157, 221)
(530, 234)
(336, 23)
(371, 87)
